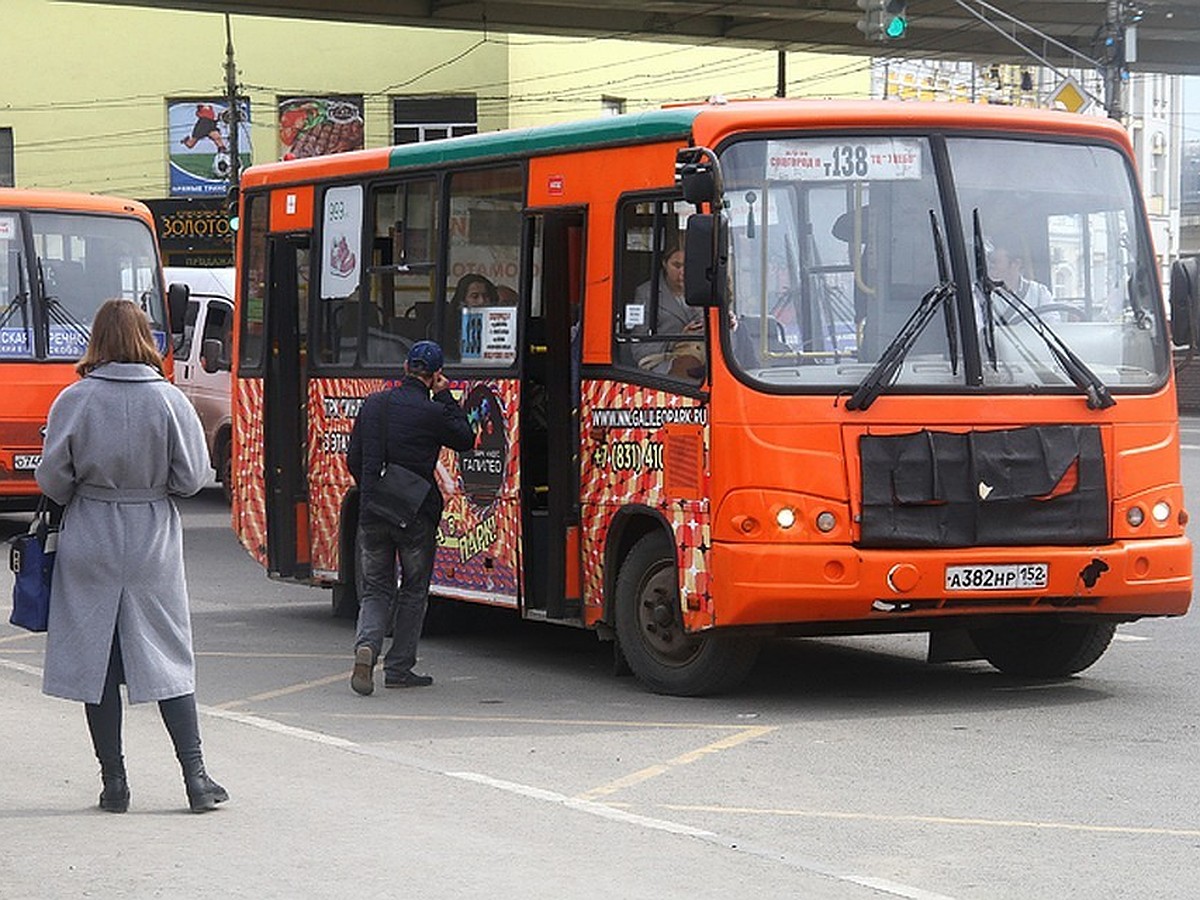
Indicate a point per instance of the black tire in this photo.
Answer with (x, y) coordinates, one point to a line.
(1045, 648)
(664, 658)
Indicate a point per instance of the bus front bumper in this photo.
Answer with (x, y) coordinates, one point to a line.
(776, 584)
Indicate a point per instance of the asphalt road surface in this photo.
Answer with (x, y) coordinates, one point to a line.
(844, 768)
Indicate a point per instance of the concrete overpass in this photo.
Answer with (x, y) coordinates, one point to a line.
(1075, 33)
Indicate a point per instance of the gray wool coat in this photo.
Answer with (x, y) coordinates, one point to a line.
(118, 443)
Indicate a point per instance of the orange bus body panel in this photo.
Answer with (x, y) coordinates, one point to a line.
(32, 386)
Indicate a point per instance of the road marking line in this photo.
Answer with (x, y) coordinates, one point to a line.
(23, 636)
(21, 667)
(281, 692)
(1129, 638)
(684, 759)
(586, 806)
(936, 820)
(530, 720)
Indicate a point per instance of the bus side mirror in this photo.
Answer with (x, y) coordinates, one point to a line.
(212, 356)
(1185, 302)
(704, 260)
(177, 301)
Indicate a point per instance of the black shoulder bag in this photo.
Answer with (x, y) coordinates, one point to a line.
(399, 492)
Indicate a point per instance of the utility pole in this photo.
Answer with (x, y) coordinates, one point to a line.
(781, 73)
(235, 157)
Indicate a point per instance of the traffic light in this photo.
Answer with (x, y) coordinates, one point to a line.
(883, 20)
(231, 208)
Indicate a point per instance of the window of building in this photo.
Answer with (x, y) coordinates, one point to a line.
(612, 106)
(656, 332)
(417, 119)
(484, 267)
(7, 170)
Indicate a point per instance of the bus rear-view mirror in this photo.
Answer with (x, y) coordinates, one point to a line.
(1185, 302)
(177, 301)
(704, 260)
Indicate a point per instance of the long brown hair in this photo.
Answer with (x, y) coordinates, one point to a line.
(120, 333)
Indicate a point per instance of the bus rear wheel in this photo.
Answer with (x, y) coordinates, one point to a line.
(661, 654)
(1044, 649)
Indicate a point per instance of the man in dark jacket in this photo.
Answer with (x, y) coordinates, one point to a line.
(422, 417)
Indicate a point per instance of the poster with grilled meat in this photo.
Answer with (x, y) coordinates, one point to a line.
(314, 126)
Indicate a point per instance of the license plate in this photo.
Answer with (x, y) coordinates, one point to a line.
(24, 462)
(1012, 577)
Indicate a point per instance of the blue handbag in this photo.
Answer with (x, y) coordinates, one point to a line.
(31, 559)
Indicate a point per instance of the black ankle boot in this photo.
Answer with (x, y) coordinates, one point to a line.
(115, 796)
(202, 792)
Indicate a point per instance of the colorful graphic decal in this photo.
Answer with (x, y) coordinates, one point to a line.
(624, 460)
(477, 555)
(249, 490)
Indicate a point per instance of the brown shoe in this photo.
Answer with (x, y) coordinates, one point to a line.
(363, 677)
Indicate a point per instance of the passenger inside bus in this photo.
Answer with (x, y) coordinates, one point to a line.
(686, 358)
(472, 292)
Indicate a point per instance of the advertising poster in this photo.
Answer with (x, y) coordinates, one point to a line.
(198, 145)
(314, 126)
(341, 235)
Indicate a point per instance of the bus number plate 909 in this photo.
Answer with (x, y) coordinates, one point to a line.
(1013, 577)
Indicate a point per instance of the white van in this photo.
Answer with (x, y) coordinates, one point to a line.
(203, 358)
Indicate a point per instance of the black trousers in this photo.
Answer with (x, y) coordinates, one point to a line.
(104, 721)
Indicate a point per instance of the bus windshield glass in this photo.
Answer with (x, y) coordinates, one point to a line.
(56, 269)
(836, 241)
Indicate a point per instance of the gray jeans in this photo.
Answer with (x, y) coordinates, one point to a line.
(379, 600)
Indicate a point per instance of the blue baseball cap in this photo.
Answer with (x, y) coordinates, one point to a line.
(425, 356)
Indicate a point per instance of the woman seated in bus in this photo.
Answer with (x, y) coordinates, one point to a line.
(471, 292)
(685, 359)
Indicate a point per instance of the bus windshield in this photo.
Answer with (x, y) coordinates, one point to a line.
(56, 269)
(834, 245)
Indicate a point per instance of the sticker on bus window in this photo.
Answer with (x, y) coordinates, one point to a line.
(866, 159)
(635, 315)
(8, 228)
(489, 334)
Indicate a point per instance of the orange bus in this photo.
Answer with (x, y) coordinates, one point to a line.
(919, 381)
(61, 256)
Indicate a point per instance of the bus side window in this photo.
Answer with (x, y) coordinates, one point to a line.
(649, 294)
(252, 338)
(479, 328)
(403, 248)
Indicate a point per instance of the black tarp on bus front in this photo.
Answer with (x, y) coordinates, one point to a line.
(1041, 484)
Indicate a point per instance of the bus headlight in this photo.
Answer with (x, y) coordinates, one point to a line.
(1135, 516)
(826, 522)
(1161, 511)
(785, 518)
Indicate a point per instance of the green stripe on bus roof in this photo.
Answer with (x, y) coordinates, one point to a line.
(658, 124)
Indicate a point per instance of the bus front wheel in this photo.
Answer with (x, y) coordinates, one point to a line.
(1044, 649)
(661, 654)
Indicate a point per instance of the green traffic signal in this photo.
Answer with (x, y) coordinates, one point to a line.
(896, 27)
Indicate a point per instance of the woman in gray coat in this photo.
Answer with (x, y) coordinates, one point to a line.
(118, 443)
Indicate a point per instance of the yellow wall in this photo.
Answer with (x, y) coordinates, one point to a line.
(560, 79)
(85, 86)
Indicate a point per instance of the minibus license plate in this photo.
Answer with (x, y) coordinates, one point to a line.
(1014, 577)
(23, 462)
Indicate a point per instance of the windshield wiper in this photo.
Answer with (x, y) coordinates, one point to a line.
(985, 285)
(884, 371)
(1096, 390)
(58, 313)
(1077, 370)
(20, 302)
